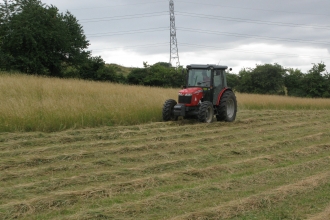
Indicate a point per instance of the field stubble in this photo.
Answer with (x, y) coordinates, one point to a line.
(266, 165)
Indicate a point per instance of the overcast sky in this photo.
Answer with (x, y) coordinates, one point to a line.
(236, 33)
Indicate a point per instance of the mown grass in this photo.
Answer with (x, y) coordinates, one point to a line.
(265, 165)
(30, 103)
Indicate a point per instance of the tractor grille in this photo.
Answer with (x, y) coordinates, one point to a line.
(185, 99)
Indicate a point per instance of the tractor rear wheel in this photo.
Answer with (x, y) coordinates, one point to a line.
(206, 112)
(228, 107)
(168, 110)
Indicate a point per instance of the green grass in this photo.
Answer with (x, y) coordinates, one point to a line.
(266, 165)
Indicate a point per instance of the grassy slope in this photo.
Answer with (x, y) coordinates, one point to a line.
(266, 165)
(121, 69)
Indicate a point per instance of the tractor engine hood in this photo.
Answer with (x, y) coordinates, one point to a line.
(190, 91)
(191, 96)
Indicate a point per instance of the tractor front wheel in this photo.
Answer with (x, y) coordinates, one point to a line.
(228, 107)
(168, 110)
(206, 112)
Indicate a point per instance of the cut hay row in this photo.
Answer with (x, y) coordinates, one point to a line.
(82, 153)
(323, 215)
(264, 161)
(263, 200)
(268, 179)
(162, 168)
(117, 135)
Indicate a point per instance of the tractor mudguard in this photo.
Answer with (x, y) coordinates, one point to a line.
(221, 93)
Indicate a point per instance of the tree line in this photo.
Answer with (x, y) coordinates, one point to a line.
(36, 38)
(271, 79)
(277, 80)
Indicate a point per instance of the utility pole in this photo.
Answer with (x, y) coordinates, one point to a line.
(174, 53)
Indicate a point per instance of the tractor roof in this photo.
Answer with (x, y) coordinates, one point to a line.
(206, 66)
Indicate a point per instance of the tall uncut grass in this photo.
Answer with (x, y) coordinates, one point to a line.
(275, 102)
(31, 103)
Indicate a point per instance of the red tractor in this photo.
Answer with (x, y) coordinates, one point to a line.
(205, 94)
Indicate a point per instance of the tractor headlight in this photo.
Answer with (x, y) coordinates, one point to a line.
(188, 94)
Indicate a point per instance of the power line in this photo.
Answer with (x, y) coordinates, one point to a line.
(212, 47)
(140, 31)
(124, 17)
(251, 36)
(251, 21)
(128, 32)
(122, 5)
(134, 46)
(253, 51)
(187, 14)
(256, 9)
(197, 3)
(162, 13)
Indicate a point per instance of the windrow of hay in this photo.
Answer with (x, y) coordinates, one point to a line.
(323, 215)
(31, 103)
(255, 202)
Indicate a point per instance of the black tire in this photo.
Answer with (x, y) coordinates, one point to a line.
(168, 113)
(206, 113)
(228, 107)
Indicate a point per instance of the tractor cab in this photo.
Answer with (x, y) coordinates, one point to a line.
(210, 79)
(205, 94)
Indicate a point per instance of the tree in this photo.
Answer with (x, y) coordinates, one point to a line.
(156, 75)
(245, 81)
(268, 79)
(326, 94)
(315, 83)
(293, 82)
(232, 80)
(37, 39)
(136, 76)
(264, 79)
(94, 68)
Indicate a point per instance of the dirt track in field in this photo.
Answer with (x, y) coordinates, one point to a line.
(267, 164)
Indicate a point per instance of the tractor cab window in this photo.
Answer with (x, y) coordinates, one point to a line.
(218, 78)
(218, 84)
(199, 77)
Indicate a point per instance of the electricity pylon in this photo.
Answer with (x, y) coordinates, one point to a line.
(174, 53)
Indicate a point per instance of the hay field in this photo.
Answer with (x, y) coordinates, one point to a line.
(30, 103)
(266, 165)
(109, 157)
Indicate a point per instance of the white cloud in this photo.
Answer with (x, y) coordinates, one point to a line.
(130, 58)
